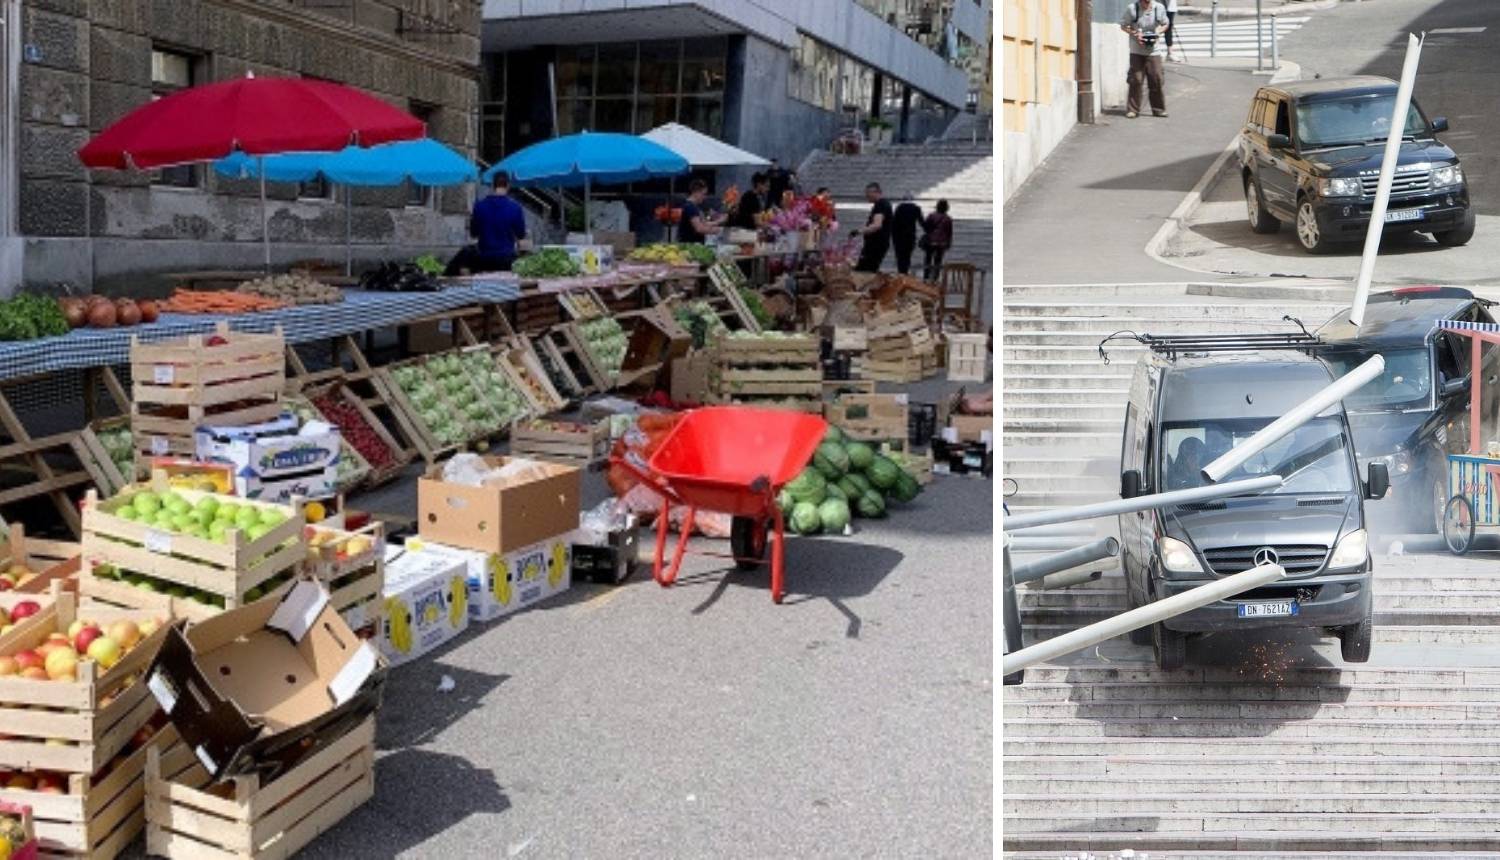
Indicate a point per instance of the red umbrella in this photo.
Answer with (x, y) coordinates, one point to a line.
(256, 116)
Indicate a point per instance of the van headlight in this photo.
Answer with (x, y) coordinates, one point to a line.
(1451, 174)
(1177, 556)
(1352, 550)
(1346, 187)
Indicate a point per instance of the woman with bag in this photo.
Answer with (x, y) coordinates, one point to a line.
(937, 238)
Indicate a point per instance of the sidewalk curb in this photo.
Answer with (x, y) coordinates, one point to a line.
(1283, 9)
(1289, 71)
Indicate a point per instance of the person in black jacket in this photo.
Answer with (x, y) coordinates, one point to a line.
(904, 223)
(876, 232)
(752, 203)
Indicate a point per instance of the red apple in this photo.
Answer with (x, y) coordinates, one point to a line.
(84, 637)
(22, 781)
(49, 783)
(25, 609)
(126, 632)
(27, 659)
(9, 666)
(6, 584)
(35, 672)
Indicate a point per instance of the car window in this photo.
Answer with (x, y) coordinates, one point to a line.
(1405, 384)
(1148, 472)
(1254, 118)
(1448, 361)
(1354, 120)
(1283, 119)
(1310, 459)
(1263, 119)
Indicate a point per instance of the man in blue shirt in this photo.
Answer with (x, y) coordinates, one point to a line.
(498, 223)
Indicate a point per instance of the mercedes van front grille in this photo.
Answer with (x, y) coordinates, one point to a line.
(1295, 559)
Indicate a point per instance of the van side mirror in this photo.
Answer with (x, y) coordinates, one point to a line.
(1439, 123)
(1130, 484)
(1451, 387)
(1379, 482)
(1278, 141)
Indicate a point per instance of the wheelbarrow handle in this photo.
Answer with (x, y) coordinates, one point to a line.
(647, 477)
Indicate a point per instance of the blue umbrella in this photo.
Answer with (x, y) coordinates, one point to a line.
(424, 161)
(588, 157)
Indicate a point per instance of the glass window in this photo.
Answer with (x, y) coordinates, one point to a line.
(1354, 120)
(492, 108)
(858, 81)
(613, 115)
(652, 111)
(575, 71)
(1310, 459)
(615, 74)
(705, 114)
(659, 65)
(171, 71)
(420, 195)
(492, 83)
(573, 115)
(1405, 384)
(703, 63)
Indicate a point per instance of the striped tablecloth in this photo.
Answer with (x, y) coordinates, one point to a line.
(359, 311)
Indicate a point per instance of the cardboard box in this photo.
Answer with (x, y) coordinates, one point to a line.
(592, 259)
(605, 557)
(689, 383)
(498, 519)
(260, 688)
(501, 584)
(621, 241)
(869, 417)
(271, 461)
(426, 602)
(971, 428)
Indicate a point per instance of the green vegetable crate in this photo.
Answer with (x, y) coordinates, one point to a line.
(108, 442)
(226, 378)
(130, 561)
(770, 370)
(438, 405)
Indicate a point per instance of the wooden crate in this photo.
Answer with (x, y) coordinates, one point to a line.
(115, 474)
(189, 372)
(848, 338)
(967, 357)
(227, 570)
(915, 343)
(185, 818)
(341, 393)
(550, 440)
(896, 370)
(27, 849)
(779, 372)
(354, 579)
(894, 322)
(726, 278)
(520, 362)
(93, 819)
(39, 556)
(409, 415)
(97, 714)
(537, 313)
(360, 380)
(565, 345)
(869, 417)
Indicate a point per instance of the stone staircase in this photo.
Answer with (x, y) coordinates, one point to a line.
(1229, 763)
(1062, 405)
(959, 172)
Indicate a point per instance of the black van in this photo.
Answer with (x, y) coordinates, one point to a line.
(1185, 410)
(1417, 412)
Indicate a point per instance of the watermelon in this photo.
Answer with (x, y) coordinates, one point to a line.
(861, 483)
(831, 460)
(808, 483)
(786, 501)
(906, 488)
(850, 489)
(834, 515)
(805, 519)
(871, 504)
(835, 490)
(883, 473)
(860, 455)
(834, 435)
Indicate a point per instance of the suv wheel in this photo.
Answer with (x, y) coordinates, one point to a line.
(1354, 640)
(1309, 234)
(1171, 647)
(1140, 635)
(1459, 235)
(1261, 220)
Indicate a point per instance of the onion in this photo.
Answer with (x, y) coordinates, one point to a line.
(149, 311)
(74, 311)
(102, 315)
(127, 311)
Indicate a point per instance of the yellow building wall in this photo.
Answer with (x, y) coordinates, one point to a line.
(1038, 41)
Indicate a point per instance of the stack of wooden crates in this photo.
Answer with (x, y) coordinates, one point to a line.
(899, 346)
(228, 378)
(771, 370)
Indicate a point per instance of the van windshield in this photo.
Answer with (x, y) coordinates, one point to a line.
(1353, 120)
(1311, 458)
(1405, 384)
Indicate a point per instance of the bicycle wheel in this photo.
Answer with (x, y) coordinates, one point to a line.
(1458, 525)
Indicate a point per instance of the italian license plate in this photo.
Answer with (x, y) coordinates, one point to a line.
(1270, 609)
(1403, 215)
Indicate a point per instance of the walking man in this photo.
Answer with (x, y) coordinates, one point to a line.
(1145, 21)
(937, 238)
(876, 232)
(904, 222)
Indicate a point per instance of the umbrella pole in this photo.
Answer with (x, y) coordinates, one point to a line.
(671, 225)
(588, 235)
(265, 224)
(348, 231)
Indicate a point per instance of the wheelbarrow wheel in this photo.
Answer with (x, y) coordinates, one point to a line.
(747, 540)
(1458, 525)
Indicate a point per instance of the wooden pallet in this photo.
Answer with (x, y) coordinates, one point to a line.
(93, 819)
(97, 714)
(727, 279)
(355, 580)
(227, 570)
(537, 439)
(248, 820)
(400, 455)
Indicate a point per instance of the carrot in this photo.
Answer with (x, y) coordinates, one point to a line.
(217, 302)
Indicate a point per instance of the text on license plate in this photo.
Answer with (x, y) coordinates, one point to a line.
(1272, 609)
(1403, 215)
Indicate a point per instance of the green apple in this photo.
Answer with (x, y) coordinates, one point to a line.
(226, 512)
(202, 517)
(145, 584)
(209, 504)
(146, 503)
(272, 517)
(258, 531)
(181, 521)
(178, 505)
(163, 519)
(197, 530)
(128, 513)
(246, 518)
(217, 530)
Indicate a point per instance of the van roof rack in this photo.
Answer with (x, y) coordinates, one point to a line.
(1173, 346)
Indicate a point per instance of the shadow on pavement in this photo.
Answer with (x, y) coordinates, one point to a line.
(415, 712)
(1237, 234)
(1184, 171)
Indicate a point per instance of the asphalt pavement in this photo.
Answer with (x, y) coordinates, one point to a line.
(854, 719)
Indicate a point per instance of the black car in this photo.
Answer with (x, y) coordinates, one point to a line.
(1310, 154)
(1417, 413)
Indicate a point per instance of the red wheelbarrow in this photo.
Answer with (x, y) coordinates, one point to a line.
(732, 460)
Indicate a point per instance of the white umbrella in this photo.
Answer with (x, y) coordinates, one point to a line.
(700, 150)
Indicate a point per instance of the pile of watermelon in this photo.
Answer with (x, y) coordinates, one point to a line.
(844, 479)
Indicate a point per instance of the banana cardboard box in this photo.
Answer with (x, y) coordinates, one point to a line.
(502, 584)
(426, 602)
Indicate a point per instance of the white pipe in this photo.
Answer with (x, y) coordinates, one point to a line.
(1141, 616)
(1068, 578)
(1075, 557)
(1141, 503)
(1387, 175)
(1022, 543)
(1061, 530)
(1296, 417)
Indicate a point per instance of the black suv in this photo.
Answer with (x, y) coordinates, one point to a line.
(1310, 153)
(1417, 413)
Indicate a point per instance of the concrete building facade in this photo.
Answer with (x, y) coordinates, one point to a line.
(780, 79)
(72, 67)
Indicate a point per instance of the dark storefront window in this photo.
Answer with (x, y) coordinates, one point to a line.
(492, 108)
(575, 72)
(171, 71)
(420, 195)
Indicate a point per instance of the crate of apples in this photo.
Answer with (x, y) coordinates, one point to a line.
(58, 657)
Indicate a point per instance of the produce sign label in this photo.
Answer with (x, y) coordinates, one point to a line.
(160, 446)
(158, 542)
(163, 374)
(301, 456)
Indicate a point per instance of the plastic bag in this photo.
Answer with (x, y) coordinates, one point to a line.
(637, 446)
(707, 523)
(471, 470)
